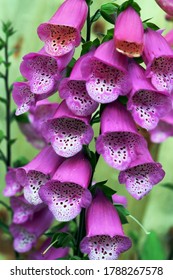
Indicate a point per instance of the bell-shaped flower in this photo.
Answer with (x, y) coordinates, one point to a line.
(25, 235)
(158, 56)
(129, 33)
(43, 72)
(13, 185)
(67, 193)
(22, 210)
(61, 33)
(51, 254)
(142, 174)
(106, 74)
(105, 239)
(37, 172)
(169, 37)
(67, 132)
(163, 130)
(146, 104)
(166, 5)
(73, 90)
(119, 142)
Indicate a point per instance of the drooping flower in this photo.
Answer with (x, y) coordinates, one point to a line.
(37, 172)
(25, 235)
(66, 194)
(166, 5)
(22, 210)
(106, 74)
(146, 104)
(52, 254)
(142, 174)
(163, 130)
(158, 56)
(67, 132)
(73, 90)
(119, 199)
(13, 185)
(119, 142)
(43, 71)
(105, 239)
(128, 33)
(61, 33)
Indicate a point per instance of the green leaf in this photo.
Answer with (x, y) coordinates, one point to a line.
(2, 157)
(153, 248)
(12, 141)
(7, 28)
(109, 12)
(4, 227)
(131, 3)
(21, 161)
(2, 45)
(70, 67)
(63, 239)
(20, 79)
(3, 100)
(6, 206)
(108, 192)
(109, 35)
(86, 47)
(167, 185)
(95, 17)
(123, 212)
(74, 258)
(150, 25)
(2, 136)
(89, 2)
(22, 118)
(123, 99)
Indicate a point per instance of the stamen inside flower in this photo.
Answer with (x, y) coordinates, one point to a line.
(106, 83)
(131, 49)
(58, 39)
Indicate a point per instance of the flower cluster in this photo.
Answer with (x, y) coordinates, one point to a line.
(56, 183)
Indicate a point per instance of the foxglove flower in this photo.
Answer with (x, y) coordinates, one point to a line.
(119, 142)
(105, 238)
(142, 174)
(43, 71)
(73, 90)
(146, 104)
(66, 194)
(37, 172)
(67, 132)
(169, 37)
(158, 56)
(106, 74)
(52, 254)
(13, 185)
(119, 199)
(25, 235)
(22, 210)
(163, 130)
(61, 33)
(128, 33)
(166, 5)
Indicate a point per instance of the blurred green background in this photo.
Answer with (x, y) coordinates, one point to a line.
(155, 211)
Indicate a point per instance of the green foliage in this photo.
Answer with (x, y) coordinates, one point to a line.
(4, 227)
(109, 12)
(86, 47)
(131, 3)
(7, 28)
(21, 161)
(22, 118)
(2, 136)
(123, 213)
(70, 67)
(153, 248)
(109, 35)
(95, 17)
(63, 239)
(167, 185)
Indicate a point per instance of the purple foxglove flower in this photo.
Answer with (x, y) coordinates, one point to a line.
(52, 254)
(119, 199)
(32, 136)
(73, 90)
(169, 37)
(61, 33)
(66, 194)
(166, 5)
(106, 74)
(13, 185)
(25, 235)
(119, 142)
(142, 174)
(158, 56)
(105, 238)
(163, 130)
(129, 33)
(146, 104)
(22, 210)
(43, 71)
(67, 132)
(37, 172)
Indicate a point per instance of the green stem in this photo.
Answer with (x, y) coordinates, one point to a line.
(81, 233)
(88, 35)
(8, 107)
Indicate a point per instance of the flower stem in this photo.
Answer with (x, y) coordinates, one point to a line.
(88, 35)
(8, 106)
(133, 218)
(81, 233)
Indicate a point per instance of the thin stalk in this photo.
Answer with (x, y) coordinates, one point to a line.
(81, 233)
(88, 35)
(8, 107)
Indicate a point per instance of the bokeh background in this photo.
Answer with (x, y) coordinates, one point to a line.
(155, 211)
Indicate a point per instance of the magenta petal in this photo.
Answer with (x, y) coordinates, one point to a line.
(66, 132)
(169, 37)
(13, 185)
(142, 175)
(119, 199)
(42, 72)
(129, 40)
(166, 5)
(62, 32)
(119, 142)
